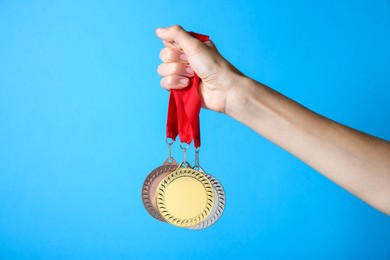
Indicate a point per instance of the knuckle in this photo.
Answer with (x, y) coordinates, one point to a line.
(169, 54)
(167, 69)
(169, 81)
(172, 55)
(176, 68)
(162, 83)
(162, 54)
(176, 28)
(180, 69)
(160, 69)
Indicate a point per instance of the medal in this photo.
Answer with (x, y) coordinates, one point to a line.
(219, 198)
(185, 197)
(179, 194)
(152, 181)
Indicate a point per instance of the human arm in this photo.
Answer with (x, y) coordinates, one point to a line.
(358, 162)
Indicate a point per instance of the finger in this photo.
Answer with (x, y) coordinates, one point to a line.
(172, 55)
(180, 36)
(174, 82)
(175, 68)
(175, 45)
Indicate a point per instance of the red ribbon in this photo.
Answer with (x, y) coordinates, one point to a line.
(184, 108)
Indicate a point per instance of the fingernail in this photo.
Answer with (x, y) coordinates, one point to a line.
(189, 70)
(183, 81)
(183, 57)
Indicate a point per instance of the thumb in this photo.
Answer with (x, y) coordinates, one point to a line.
(176, 34)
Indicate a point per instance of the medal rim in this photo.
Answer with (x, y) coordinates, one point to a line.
(167, 167)
(219, 203)
(163, 186)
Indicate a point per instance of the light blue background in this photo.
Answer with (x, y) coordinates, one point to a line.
(82, 123)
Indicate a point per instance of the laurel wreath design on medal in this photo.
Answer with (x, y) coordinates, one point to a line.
(146, 187)
(164, 185)
(219, 205)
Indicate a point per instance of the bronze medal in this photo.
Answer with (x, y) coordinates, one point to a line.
(149, 188)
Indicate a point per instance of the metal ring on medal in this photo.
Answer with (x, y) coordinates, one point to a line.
(219, 204)
(185, 197)
(149, 188)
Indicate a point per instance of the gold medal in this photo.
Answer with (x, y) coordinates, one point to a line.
(185, 197)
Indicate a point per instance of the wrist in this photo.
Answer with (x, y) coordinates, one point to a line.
(241, 96)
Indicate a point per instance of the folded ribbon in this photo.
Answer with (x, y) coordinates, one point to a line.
(184, 108)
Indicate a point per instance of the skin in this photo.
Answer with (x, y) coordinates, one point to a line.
(358, 162)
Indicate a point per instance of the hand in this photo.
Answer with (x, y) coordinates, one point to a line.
(183, 54)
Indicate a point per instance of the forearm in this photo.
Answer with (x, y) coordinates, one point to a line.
(358, 162)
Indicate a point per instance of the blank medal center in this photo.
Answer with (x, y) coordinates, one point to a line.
(185, 198)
